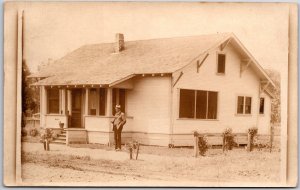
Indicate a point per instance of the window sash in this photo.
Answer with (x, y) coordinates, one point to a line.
(221, 63)
(244, 105)
(198, 104)
(248, 101)
(102, 101)
(262, 106)
(53, 97)
(97, 101)
(187, 100)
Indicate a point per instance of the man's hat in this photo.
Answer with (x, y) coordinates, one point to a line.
(118, 106)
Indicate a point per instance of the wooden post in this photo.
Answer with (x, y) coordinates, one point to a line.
(224, 142)
(69, 102)
(43, 106)
(271, 138)
(249, 143)
(130, 152)
(137, 151)
(86, 105)
(63, 101)
(109, 102)
(196, 148)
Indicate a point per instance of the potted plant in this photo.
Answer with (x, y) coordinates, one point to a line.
(61, 125)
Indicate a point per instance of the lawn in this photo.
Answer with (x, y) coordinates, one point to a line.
(177, 166)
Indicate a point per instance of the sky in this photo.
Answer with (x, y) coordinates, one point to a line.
(52, 30)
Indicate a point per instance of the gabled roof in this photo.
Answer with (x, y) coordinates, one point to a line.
(98, 64)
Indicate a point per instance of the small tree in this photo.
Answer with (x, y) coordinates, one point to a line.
(252, 132)
(30, 96)
(228, 139)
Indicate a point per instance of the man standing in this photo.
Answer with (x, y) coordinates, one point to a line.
(118, 124)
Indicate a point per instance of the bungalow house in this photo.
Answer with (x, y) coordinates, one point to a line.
(167, 88)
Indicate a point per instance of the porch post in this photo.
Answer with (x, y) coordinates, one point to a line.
(109, 102)
(43, 105)
(86, 107)
(63, 101)
(69, 104)
(109, 113)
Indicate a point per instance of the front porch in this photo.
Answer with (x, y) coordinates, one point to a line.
(86, 112)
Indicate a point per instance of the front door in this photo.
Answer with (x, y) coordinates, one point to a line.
(76, 108)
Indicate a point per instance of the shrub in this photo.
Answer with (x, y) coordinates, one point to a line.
(24, 132)
(33, 132)
(252, 132)
(47, 134)
(228, 139)
(202, 144)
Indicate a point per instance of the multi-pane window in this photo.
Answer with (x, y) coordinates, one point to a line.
(92, 101)
(102, 101)
(198, 104)
(262, 106)
(53, 101)
(97, 101)
(221, 63)
(244, 105)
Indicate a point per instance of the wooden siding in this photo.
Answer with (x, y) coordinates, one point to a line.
(76, 136)
(228, 85)
(264, 120)
(103, 123)
(149, 104)
(52, 121)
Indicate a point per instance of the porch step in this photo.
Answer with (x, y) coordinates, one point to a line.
(62, 135)
(61, 138)
(58, 142)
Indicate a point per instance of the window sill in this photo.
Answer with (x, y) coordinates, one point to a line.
(54, 114)
(243, 115)
(197, 119)
(103, 116)
(220, 74)
(262, 114)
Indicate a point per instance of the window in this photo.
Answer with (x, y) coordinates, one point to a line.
(198, 104)
(92, 101)
(102, 101)
(53, 101)
(244, 105)
(187, 104)
(262, 106)
(118, 97)
(97, 101)
(221, 63)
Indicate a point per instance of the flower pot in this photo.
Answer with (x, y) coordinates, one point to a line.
(61, 125)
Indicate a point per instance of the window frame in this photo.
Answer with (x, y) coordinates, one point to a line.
(97, 101)
(217, 62)
(58, 101)
(264, 106)
(195, 105)
(244, 105)
(117, 100)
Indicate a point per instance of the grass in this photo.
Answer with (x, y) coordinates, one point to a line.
(235, 165)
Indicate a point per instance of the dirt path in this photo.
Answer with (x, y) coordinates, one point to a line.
(102, 167)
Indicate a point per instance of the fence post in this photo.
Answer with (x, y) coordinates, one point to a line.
(137, 151)
(249, 142)
(130, 152)
(223, 145)
(271, 138)
(196, 148)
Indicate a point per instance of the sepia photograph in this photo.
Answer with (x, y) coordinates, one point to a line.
(149, 93)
